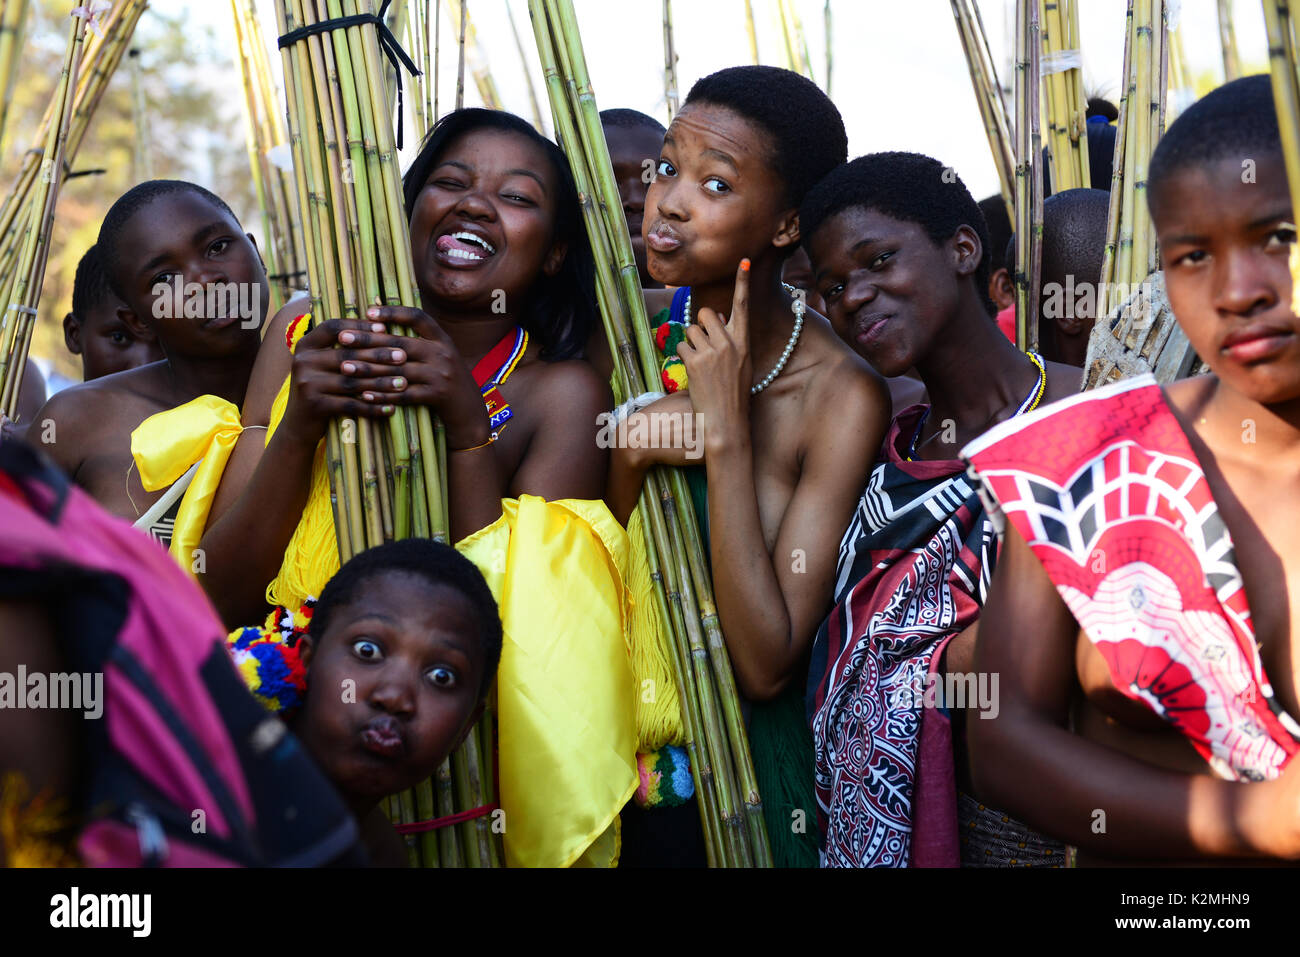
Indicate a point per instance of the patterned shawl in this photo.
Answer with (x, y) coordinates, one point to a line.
(913, 571)
(1111, 498)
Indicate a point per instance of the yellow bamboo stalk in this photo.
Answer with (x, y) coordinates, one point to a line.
(460, 63)
(988, 97)
(140, 117)
(1284, 72)
(829, 33)
(751, 32)
(1029, 183)
(20, 309)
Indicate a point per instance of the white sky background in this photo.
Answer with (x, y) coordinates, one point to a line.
(900, 78)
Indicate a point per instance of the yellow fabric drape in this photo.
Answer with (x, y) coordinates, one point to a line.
(567, 747)
(312, 556)
(164, 447)
(565, 707)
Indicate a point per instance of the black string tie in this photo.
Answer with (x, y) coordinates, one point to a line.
(387, 44)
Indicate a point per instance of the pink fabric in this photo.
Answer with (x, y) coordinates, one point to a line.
(164, 601)
(934, 824)
(108, 843)
(1007, 322)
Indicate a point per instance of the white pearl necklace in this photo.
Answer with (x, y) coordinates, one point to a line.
(797, 306)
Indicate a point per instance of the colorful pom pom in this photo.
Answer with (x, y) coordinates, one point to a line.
(665, 777)
(269, 658)
(673, 375)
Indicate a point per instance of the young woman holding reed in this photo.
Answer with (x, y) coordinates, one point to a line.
(499, 249)
(790, 416)
(503, 264)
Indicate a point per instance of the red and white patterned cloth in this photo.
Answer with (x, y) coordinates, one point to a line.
(1109, 495)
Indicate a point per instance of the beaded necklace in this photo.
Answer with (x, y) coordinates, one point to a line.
(1028, 405)
(667, 339)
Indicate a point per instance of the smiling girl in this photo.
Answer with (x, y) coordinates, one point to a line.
(506, 283)
(899, 250)
(502, 261)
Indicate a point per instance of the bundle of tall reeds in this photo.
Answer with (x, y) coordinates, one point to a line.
(1284, 69)
(472, 54)
(1228, 41)
(387, 478)
(103, 52)
(1028, 215)
(13, 19)
(20, 301)
(988, 95)
(1131, 253)
(264, 123)
(730, 808)
(27, 215)
(1064, 102)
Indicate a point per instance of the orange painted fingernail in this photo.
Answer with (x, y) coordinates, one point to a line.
(744, 265)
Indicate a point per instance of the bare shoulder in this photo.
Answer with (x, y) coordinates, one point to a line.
(86, 419)
(842, 376)
(1062, 381)
(569, 388)
(101, 396)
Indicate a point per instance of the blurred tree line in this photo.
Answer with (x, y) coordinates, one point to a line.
(193, 122)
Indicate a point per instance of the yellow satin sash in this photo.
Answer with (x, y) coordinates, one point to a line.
(564, 687)
(565, 692)
(165, 445)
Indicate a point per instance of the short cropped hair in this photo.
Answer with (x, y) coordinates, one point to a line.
(124, 210)
(807, 131)
(911, 188)
(998, 222)
(624, 119)
(437, 564)
(90, 288)
(1238, 119)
